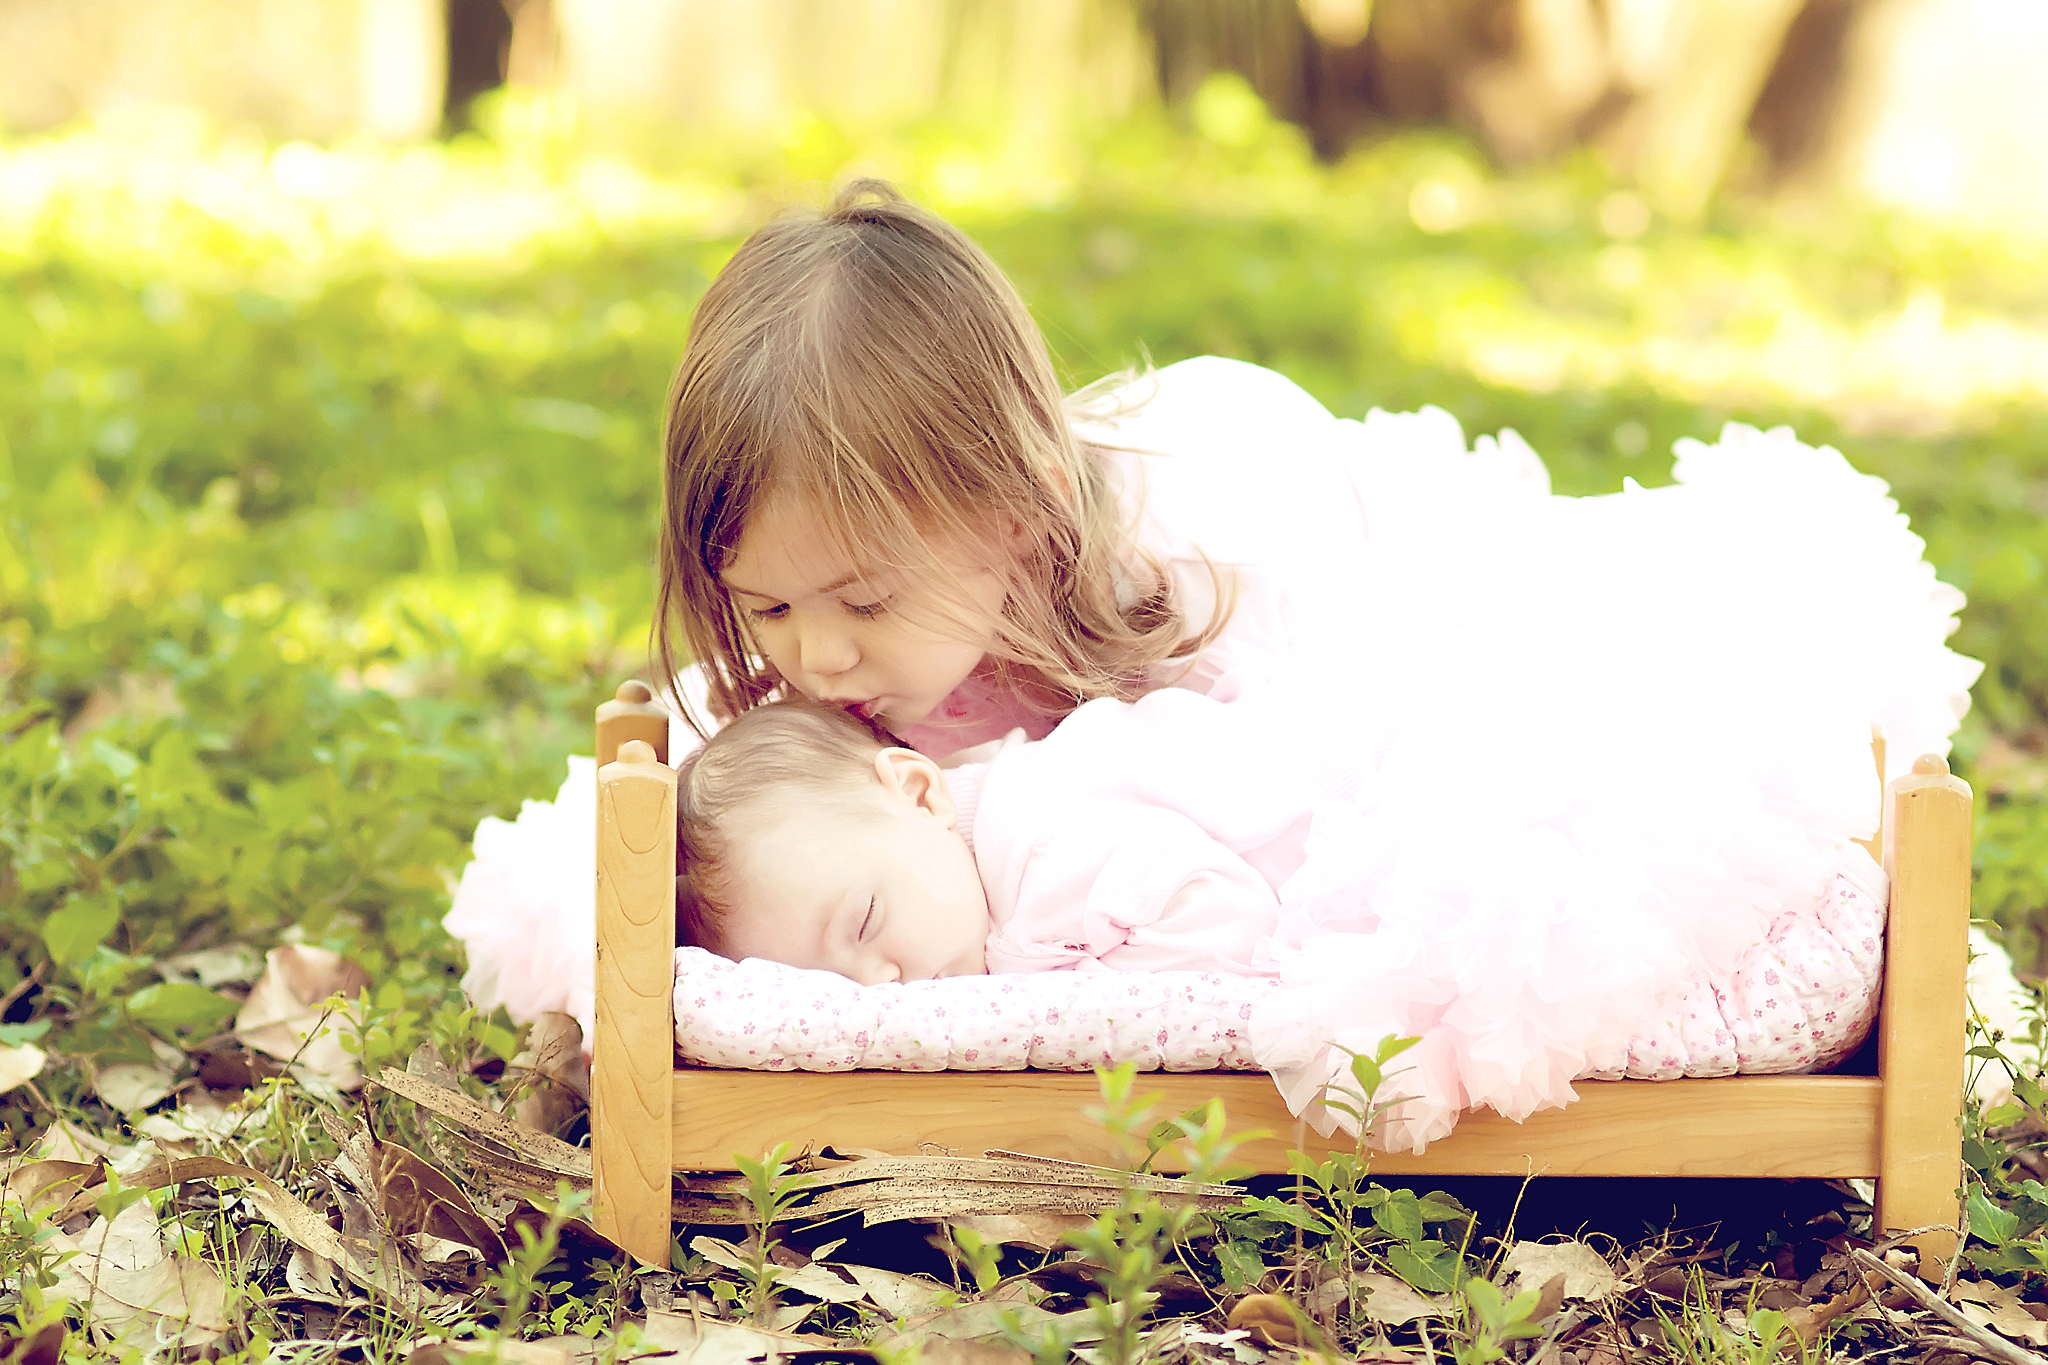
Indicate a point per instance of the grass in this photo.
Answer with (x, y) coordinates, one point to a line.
(327, 480)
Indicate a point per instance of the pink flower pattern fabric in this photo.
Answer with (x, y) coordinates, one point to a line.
(764, 1016)
(1801, 1000)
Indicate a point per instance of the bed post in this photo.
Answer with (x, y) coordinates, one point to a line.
(633, 1054)
(1921, 1033)
(632, 714)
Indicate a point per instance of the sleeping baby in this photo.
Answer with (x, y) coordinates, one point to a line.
(1133, 839)
(1176, 832)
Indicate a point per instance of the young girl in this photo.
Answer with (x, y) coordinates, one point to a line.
(877, 498)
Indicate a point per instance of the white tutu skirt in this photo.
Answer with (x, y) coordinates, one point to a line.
(1603, 744)
(526, 907)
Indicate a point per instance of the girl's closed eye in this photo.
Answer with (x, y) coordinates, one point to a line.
(868, 609)
(868, 921)
(774, 613)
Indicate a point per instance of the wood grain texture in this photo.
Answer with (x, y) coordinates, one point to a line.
(632, 714)
(1813, 1126)
(1921, 1032)
(634, 1050)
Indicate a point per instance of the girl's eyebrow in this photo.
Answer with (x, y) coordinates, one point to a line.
(834, 586)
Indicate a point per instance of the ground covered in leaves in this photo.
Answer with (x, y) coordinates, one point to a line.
(327, 481)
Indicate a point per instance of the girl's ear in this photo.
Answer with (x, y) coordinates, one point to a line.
(912, 775)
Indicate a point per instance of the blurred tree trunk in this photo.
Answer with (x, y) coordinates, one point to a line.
(1668, 87)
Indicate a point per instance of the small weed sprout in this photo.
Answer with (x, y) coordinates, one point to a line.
(969, 1250)
(1134, 1242)
(773, 1184)
(516, 1284)
(1700, 1335)
(2005, 1207)
(1490, 1320)
(1357, 1224)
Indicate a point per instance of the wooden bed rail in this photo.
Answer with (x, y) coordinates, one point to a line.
(633, 1054)
(1900, 1127)
(1921, 1032)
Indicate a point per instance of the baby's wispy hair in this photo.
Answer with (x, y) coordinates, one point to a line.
(782, 751)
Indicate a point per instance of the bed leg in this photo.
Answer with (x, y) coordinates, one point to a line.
(631, 1138)
(1921, 1032)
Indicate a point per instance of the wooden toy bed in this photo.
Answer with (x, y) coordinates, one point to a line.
(650, 1118)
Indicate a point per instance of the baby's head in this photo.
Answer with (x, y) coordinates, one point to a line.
(808, 839)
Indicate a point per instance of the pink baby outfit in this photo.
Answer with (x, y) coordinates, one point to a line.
(1569, 758)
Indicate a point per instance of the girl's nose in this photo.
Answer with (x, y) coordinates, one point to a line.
(825, 653)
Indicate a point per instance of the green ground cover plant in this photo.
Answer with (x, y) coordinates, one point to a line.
(327, 500)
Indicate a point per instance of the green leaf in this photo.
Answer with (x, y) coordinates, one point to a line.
(1294, 1215)
(80, 925)
(1391, 1047)
(179, 1006)
(118, 761)
(1431, 1267)
(1438, 1207)
(14, 1035)
(1989, 1222)
(1241, 1264)
(2003, 1115)
(1401, 1216)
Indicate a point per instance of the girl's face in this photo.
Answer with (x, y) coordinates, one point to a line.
(881, 889)
(841, 632)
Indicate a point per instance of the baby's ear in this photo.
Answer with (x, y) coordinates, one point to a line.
(911, 774)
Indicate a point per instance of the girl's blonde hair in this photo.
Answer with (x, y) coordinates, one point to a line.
(874, 361)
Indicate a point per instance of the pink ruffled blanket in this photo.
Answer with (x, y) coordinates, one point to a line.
(1803, 999)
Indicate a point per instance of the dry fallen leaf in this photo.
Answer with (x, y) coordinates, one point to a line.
(130, 1088)
(814, 1280)
(1999, 1308)
(50, 1182)
(552, 1074)
(66, 1141)
(699, 1340)
(135, 1294)
(235, 964)
(20, 1065)
(287, 1014)
(900, 1296)
(1039, 1231)
(1587, 1275)
(985, 1318)
(418, 1199)
(1391, 1302)
(199, 1115)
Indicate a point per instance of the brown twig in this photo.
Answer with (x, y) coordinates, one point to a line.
(1985, 1343)
(23, 986)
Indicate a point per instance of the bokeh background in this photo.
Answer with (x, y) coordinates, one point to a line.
(334, 335)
